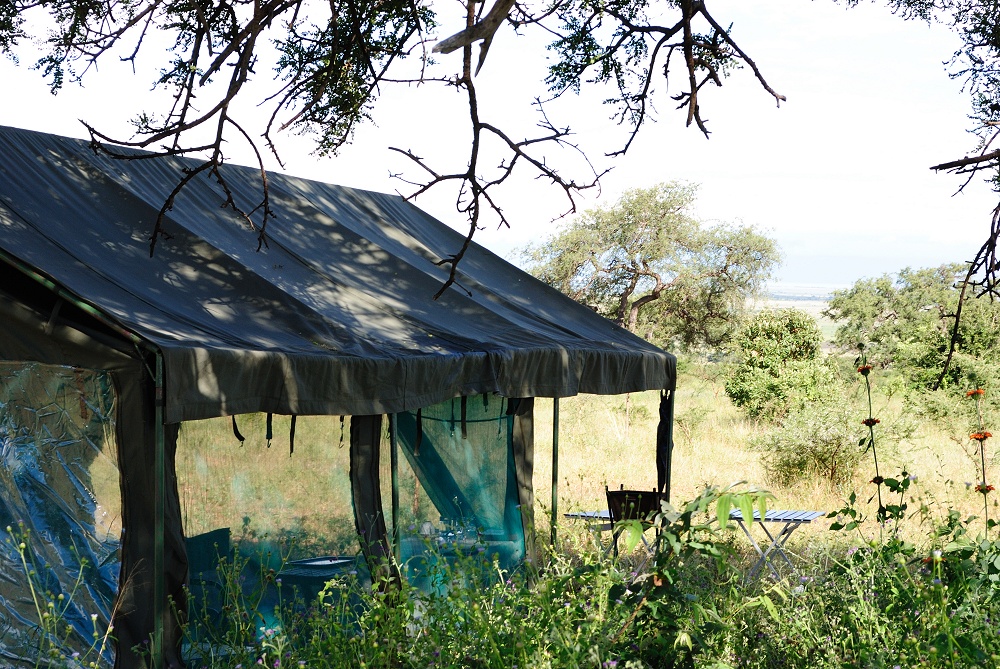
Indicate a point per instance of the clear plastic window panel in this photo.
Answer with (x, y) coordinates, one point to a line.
(60, 496)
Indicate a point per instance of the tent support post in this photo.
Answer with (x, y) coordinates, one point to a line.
(555, 467)
(670, 441)
(159, 589)
(394, 468)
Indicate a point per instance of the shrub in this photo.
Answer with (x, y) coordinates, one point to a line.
(820, 440)
(778, 367)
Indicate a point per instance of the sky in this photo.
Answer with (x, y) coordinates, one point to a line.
(838, 175)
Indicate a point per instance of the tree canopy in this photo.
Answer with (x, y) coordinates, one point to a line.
(907, 321)
(648, 264)
(329, 61)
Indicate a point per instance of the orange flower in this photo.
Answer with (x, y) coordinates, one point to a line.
(977, 391)
(864, 369)
(870, 422)
(980, 436)
(982, 488)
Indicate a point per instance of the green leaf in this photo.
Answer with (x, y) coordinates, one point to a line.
(762, 506)
(722, 509)
(632, 529)
(746, 508)
(771, 608)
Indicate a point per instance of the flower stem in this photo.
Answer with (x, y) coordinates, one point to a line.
(982, 462)
(871, 441)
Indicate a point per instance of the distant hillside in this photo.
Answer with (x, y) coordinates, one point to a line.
(809, 297)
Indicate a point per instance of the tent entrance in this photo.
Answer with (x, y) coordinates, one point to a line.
(460, 471)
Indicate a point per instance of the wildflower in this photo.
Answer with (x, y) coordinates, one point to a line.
(871, 422)
(977, 391)
(982, 488)
(878, 480)
(980, 436)
(864, 369)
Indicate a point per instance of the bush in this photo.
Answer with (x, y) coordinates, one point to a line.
(778, 369)
(820, 440)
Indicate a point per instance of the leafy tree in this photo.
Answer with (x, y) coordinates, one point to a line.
(907, 321)
(648, 264)
(778, 366)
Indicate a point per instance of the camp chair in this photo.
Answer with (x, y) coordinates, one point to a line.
(638, 505)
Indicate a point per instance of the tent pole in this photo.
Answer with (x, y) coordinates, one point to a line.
(555, 467)
(159, 589)
(394, 465)
(670, 441)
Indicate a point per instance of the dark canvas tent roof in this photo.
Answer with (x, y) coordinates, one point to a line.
(335, 316)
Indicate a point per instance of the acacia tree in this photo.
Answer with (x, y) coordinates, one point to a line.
(908, 320)
(648, 264)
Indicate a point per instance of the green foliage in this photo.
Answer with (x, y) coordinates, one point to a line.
(621, 44)
(906, 322)
(778, 369)
(818, 442)
(774, 338)
(685, 607)
(52, 638)
(336, 69)
(649, 265)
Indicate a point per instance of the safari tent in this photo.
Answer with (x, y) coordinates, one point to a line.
(106, 350)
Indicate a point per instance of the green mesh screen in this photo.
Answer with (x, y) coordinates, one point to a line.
(265, 525)
(461, 456)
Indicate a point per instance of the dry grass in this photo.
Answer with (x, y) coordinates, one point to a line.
(266, 492)
(711, 437)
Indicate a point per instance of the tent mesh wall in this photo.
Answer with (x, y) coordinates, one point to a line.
(260, 505)
(60, 496)
(464, 462)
